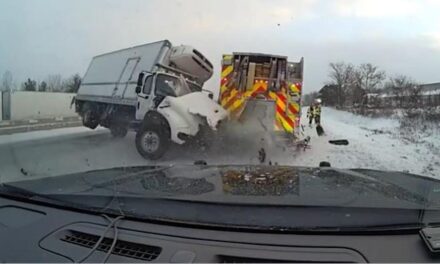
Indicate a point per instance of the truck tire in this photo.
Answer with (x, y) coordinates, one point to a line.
(89, 116)
(118, 131)
(152, 141)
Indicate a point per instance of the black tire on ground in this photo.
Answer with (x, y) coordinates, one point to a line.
(118, 131)
(152, 141)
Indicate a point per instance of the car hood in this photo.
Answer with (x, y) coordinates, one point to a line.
(253, 185)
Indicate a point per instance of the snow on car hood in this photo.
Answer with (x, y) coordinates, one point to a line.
(199, 103)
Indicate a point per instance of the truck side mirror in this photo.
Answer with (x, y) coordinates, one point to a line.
(138, 89)
(139, 82)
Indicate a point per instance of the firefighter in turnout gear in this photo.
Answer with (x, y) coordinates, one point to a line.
(314, 112)
(317, 112)
(310, 114)
(317, 117)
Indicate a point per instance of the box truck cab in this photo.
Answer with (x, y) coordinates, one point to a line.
(169, 109)
(148, 89)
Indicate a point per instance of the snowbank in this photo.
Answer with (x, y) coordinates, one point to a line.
(377, 143)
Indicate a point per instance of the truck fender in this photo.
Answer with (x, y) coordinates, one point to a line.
(179, 122)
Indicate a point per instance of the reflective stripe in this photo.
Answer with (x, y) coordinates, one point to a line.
(285, 118)
(234, 101)
(228, 98)
(236, 105)
(231, 101)
(294, 108)
(294, 88)
(285, 124)
(257, 91)
(225, 77)
(317, 110)
(226, 71)
(223, 89)
(227, 57)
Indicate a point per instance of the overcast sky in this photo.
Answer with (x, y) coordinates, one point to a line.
(42, 37)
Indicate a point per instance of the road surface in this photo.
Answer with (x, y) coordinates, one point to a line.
(373, 143)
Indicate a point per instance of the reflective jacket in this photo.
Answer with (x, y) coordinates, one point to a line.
(310, 111)
(317, 110)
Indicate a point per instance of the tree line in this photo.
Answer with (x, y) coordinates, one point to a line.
(350, 85)
(52, 83)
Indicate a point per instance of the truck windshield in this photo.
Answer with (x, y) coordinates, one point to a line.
(167, 85)
(194, 87)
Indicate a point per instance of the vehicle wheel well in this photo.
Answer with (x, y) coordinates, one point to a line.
(83, 106)
(153, 117)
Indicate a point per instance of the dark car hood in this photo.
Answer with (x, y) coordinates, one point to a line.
(256, 185)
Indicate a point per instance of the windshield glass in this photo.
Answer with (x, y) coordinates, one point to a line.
(194, 87)
(269, 103)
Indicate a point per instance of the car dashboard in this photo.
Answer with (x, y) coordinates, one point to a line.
(32, 232)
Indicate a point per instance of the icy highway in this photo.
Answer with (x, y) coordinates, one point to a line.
(373, 143)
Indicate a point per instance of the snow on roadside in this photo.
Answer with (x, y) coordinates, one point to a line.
(374, 143)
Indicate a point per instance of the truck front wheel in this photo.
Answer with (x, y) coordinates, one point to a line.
(152, 141)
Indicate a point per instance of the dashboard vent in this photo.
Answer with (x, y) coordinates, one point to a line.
(122, 248)
(234, 259)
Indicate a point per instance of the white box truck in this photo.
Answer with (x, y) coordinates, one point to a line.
(155, 89)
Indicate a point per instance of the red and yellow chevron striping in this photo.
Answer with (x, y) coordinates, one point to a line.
(234, 101)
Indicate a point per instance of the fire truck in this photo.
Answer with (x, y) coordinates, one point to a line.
(263, 87)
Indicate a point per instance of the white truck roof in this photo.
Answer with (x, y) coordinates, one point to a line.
(112, 77)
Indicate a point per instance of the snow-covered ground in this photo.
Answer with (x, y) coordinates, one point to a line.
(373, 143)
(377, 143)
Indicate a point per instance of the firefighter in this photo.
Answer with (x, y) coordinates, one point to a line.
(310, 113)
(317, 112)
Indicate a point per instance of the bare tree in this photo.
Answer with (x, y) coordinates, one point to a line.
(403, 87)
(367, 79)
(64, 85)
(7, 81)
(54, 83)
(400, 81)
(343, 76)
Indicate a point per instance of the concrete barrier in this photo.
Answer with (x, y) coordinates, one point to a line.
(41, 105)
